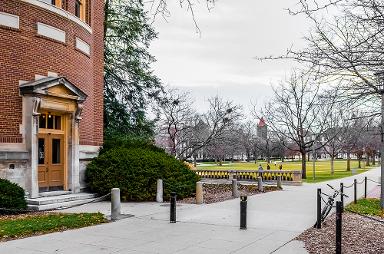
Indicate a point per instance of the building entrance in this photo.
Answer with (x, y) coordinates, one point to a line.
(51, 153)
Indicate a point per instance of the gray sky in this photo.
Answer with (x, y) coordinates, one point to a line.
(221, 59)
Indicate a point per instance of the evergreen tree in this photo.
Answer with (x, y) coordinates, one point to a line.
(130, 84)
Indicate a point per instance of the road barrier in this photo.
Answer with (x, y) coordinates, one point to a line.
(339, 212)
(172, 216)
(115, 204)
(287, 176)
(318, 211)
(243, 212)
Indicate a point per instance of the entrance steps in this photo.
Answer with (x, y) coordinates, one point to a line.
(59, 200)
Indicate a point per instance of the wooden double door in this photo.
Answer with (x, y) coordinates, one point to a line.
(51, 161)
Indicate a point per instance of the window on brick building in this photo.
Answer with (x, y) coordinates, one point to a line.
(57, 3)
(80, 9)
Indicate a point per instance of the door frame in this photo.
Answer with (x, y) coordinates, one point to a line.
(64, 132)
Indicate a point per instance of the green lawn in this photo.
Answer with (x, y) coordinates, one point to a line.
(19, 226)
(370, 206)
(323, 168)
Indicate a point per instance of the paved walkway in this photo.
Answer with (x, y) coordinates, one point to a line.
(274, 219)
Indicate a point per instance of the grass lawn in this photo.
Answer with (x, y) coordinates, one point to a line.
(370, 206)
(20, 226)
(323, 168)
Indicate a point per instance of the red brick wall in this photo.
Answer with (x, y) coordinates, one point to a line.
(23, 54)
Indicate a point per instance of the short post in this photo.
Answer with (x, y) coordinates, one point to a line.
(243, 212)
(355, 191)
(260, 184)
(365, 186)
(235, 191)
(172, 218)
(199, 193)
(115, 204)
(342, 195)
(318, 220)
(338, 226)
(279, 186)
(159, 194)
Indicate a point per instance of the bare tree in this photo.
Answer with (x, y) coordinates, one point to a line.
(348, 47)
(176, 115)
(188, 131)
(248, 138)
(294, 113)
(337, 129)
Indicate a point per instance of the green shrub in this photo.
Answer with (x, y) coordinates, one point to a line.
(129, 142)
(136, 170)
(11, 195)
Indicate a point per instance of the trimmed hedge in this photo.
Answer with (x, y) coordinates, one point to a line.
(12, 196)
(136, 170)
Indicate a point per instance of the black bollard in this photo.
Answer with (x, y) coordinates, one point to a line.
(365, 187)
(342, 195)
(318, 221)
(338, 226)
(354, 191)
(243, 212)
(173, 208)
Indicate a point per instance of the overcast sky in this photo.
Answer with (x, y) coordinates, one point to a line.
(220, 60)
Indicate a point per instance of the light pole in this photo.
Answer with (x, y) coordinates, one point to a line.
(313, 157)
(380, 89)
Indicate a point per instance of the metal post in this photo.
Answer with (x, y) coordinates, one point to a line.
(159, 193)
(173, 208)
(313, 158)
(355, 191)
(365, 187)
(243, 212)
(342, 195)
(115, 204)
(382, 147)
(318, 221)
(338, 226)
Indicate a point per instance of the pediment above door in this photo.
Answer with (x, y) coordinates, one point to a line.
(58, 87)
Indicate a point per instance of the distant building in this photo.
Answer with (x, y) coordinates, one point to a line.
(262, 129)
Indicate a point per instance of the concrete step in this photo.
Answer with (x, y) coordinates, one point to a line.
(60, 199)
(54, 193)
(60, 205)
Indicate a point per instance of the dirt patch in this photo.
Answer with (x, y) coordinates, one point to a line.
(359, 235)
(214, 193)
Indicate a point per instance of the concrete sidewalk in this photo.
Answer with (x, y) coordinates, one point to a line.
(274, 219)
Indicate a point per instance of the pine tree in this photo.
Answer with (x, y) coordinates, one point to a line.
(130, 84)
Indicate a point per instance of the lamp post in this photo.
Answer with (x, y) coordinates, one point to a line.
(380, 90)
(313, 157)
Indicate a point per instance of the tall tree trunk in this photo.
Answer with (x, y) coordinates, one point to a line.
(367, 161)
(308, 157)
(348, 161)
(374, 159)
(194, 161)
(332, 164)
(359, 159)
(304, 165)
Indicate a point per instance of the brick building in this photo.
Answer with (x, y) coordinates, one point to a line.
(51, 91)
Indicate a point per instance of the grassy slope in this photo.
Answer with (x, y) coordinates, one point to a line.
(370, 206)
(19, 226)
(323, 168)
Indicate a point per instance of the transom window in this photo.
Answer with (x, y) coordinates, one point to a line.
(50, 121)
